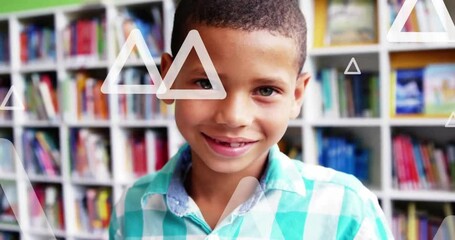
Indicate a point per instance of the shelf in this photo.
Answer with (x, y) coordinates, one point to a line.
(4, 69)
(92, 181)
(421, 195)
(344, 50)
(6, 123)
(10, 227)
(134, 2)
(346, 122)
(38, 67)
(45, 179)
(43, 232)
(438, 122)
(145, 123)
(41, 123)
(91, 236)
(8, 176)
(82, 63)
(90, 123)
(396, 47)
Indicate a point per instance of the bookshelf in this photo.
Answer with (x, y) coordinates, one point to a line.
(377, 133)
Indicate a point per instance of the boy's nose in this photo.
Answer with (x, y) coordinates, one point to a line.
(233, 111)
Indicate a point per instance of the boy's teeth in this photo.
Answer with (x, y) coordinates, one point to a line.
(233, 145)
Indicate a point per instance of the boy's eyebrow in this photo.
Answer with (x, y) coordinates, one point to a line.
(271, 81)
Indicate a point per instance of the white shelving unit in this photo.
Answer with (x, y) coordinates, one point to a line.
(373, 57)
(115, 127)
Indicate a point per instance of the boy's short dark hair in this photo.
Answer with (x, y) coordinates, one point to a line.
(281, 17)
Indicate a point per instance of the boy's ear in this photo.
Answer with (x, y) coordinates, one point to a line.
(300, 86)
(166, 62)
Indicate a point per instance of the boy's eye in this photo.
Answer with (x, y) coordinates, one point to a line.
(204, 83)
(266, 91)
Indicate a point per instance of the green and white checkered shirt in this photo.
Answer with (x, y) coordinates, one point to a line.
(294, 201)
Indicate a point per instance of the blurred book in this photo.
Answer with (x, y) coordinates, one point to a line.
(85, 39)
(41, 153)
(37, 44)
(51, 201)
(346, 96)
(83, 99)
(439, 89)
(41, 99)
(8, 202)
(343, 154)
(90, 155)
(351, 22)
(93, 209)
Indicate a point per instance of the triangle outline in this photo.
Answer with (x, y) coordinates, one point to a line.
(357, 71)
(449, 120)
(193, 40)
(17, 104)
(395, 34)
(48, 229)
(110, 84)
(263, 205)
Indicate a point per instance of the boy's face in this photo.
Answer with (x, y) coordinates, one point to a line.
(264, 90)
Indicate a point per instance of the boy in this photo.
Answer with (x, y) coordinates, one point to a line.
(258, 48)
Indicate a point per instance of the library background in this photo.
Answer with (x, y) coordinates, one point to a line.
(374, 109)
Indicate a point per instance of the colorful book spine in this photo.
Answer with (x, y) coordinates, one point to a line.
(420, 165)
(348, 96)
(85, 39)
(93, 207)
(42, 155)
(41, 101)
(37, 44)
(90, 156)
(344, 155)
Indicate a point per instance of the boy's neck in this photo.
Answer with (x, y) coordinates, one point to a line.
(207, 186)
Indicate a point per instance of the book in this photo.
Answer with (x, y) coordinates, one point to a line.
(409, 98)
(439, 89)
(351, 22)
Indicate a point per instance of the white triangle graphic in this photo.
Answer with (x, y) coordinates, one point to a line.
(192, 40)
(17, 102)
(47, 230)
(110, 84)
(451, 121)
(262, 213)
(395, 34)
(357, 70)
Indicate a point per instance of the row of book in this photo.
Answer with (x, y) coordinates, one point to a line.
(145, 152)
(4, 47)
(343, 154)
(41, 97)
(8, 202)
(93, 209)
(141, 106)
(41, 153)
(37, 44)
(83, 98)
(348, 95)
(424, 91)
(90, 155)
(345, 22)
(85, 38)
(151, 28)
(417, 224)
(52, 211)
(422, 164)
(423, 18)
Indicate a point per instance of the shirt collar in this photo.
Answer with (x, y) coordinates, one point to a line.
(280, 174)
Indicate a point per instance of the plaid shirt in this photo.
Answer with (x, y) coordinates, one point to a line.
(294, 201)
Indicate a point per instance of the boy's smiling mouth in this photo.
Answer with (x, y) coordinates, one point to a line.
(229, 147)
